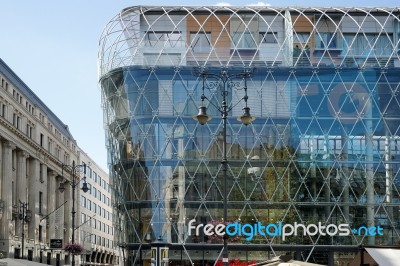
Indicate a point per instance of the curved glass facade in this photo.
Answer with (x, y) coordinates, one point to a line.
(323, 150)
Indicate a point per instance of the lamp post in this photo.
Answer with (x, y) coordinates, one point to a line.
(222, 81)
(74, 170)
(25, 215)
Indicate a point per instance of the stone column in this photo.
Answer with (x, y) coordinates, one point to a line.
(34, 187)
(66, 196)
(1, 181)
(60, 217)
(21, 187)
(51, 203)
(44, 180)
(7, 227)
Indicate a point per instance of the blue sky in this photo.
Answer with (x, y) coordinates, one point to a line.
(52, 46)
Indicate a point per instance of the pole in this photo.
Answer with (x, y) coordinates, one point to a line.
(74, 182)
(73, 210)
(224, 163)
(22, 206)
(224, 80)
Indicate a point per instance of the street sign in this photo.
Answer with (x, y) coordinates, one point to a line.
(56, 243)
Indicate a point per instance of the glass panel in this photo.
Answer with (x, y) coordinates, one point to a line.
(325, 40)
(243, 40)
(164, 39)
(200, 42)
(269, 37)
(368, 44)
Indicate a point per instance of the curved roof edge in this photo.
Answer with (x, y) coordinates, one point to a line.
(256, 7)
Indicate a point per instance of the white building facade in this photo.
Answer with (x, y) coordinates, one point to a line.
(96, 227)
(34, 146)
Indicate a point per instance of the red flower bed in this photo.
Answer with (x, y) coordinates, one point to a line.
(236, 262)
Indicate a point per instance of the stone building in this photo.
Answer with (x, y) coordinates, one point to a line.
(37, 152)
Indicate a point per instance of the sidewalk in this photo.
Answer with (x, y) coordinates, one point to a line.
(18, 262)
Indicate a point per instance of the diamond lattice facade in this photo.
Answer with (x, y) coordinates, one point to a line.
(324, 148)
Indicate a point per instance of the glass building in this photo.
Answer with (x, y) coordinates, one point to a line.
(324, 149)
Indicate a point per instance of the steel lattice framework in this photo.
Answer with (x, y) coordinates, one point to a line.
(325, 146)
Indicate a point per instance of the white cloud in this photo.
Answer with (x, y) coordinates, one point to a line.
(254, 4)
(223, 4)
(260, 4)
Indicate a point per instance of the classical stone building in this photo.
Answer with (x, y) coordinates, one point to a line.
(34, 146)
(324, 150)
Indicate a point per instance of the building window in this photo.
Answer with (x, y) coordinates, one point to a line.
(243, 31)
(325, 40)
(49, 145)
(94, 192)
(301, 37)
(164, 39)
(41, 117)
(244, 40)
(41, 179)
(65, 158)
(40, 202)
(368, 43)
(269, 37)
(88, 171)
(41, 139)
(29, 129)
(83, 201)
(16, 121)
(3, 110)
(40, 233)
(58, 151)
(200, 42)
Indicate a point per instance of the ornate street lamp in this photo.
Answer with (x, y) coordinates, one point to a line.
(223, 81)
(25, 216)
(74, 170)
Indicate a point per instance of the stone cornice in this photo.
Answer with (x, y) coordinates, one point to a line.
(35, 149)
